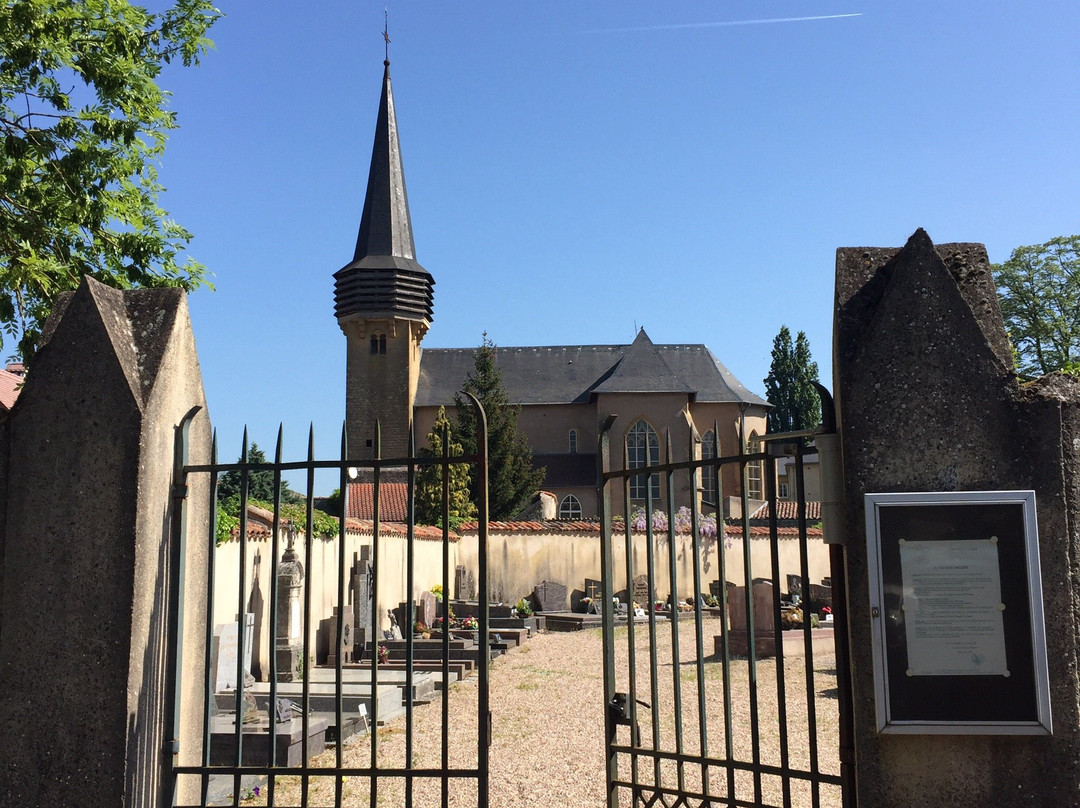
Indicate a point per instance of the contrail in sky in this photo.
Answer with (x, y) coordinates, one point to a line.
(725, 24)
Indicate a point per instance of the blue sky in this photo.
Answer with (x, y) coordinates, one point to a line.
(579, 169)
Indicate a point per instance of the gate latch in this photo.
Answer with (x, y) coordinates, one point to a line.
(618, 708)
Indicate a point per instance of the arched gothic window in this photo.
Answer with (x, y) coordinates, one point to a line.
(643, 449)
(570, 507)
(708, 473)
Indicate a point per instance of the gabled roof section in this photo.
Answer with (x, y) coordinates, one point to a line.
(384, 278)
(571, 374)
(642, 369)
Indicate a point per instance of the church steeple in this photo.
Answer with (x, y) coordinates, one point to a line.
(383, 302)
(384, 278)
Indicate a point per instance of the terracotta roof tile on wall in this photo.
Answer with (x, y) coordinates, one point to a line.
(789, 509)
(393, 501)
(9, 389)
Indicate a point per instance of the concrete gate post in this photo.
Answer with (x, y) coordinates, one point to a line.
(928, 401)
(86, 460)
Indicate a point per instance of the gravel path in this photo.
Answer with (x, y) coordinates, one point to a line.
(548, 747)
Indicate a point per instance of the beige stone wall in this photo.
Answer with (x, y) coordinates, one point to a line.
(548, 427)
(322, 576)
(521, 559)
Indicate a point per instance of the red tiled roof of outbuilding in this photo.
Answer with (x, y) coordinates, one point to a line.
(393, 501)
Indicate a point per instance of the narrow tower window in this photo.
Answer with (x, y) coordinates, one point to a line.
(573, 441)
(378, 344)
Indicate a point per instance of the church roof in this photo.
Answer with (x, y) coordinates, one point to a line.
(575, 374)
(384, 279)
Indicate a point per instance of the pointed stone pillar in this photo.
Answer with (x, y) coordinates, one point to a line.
(86, 474)
(928, 401)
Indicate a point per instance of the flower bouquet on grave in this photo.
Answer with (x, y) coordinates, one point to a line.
(470, 623)
(384, 655)
(421, 630)
(584, 604)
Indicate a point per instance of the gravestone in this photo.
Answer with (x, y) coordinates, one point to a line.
(427, 610)
(794, 585)
(288, 647)
(820, 596)
(227, 649)
(550, 596)
(464, 583)
(345, 647)
(593, 588)
(764, 629)
(360, 590)
(642, 591)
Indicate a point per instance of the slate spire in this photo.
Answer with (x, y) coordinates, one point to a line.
(384, 278)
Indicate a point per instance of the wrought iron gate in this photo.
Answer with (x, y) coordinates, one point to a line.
(240, 759)
(704, 710)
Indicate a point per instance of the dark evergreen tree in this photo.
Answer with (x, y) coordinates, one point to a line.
(789, 385)
(260, 483)
(429, 485)
(512, 480)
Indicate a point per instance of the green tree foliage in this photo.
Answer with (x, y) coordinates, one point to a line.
(429, 479)
(512, 480)
(1039, 290)
(260, 482)
(789, 385)
(83, 122)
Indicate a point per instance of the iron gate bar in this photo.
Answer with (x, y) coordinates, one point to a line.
(274, 548)
(808, 642)
(751, 641)
(781, 673)
(208, 685)
(373, 735)
(445, 790)
(339, 697)
(309, 661)
(241, 621)
(410, 610)
(699, 644)
(674, 597)
(650, 566)
(725, 624)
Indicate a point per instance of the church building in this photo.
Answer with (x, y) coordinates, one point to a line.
(658, 393)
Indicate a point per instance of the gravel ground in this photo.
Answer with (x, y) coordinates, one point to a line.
(548, 744)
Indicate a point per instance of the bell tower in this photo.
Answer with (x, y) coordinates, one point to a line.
(383, 302)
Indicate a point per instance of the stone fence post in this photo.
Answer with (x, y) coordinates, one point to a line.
(928, 401)
(86, 461)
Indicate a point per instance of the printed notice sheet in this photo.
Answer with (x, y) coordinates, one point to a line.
(952, 608)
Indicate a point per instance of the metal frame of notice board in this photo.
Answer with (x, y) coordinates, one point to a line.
(959, 641)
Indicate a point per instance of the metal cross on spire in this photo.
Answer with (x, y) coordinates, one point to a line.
(386, 33)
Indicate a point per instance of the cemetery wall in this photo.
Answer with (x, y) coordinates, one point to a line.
(322, 577)
(523, 557)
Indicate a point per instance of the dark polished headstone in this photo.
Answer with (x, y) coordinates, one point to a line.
(550, 596)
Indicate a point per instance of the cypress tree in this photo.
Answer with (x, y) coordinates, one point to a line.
(512, 480)
(429, 479)
(789, 385)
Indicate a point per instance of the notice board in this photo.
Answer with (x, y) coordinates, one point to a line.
(956, 613)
